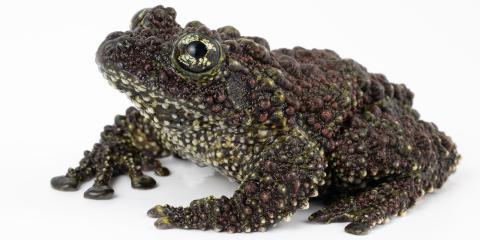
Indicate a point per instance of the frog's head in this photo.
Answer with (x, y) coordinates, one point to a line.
(192, 72)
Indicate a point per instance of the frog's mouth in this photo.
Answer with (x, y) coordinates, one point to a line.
(155, 104)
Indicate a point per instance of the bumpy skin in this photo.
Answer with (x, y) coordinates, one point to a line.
(287, 125)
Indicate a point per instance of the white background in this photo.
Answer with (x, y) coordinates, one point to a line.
(54, 104)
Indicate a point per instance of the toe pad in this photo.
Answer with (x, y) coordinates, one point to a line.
(64, 183)
(99, 192)
(143, 182)
(357, 228)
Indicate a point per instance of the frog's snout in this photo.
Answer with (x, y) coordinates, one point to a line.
(111, 51)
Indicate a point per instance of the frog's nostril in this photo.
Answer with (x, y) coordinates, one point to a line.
(113, 35)
(104, 52)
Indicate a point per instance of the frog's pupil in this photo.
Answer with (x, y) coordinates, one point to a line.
(197, 49)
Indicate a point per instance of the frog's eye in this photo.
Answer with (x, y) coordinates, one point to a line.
(196, 54)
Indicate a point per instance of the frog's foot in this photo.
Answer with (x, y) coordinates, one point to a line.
(376, 205)
(130, 146)
(360, 221)
(116, 162)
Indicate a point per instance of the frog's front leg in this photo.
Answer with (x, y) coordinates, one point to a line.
(128, 146)
(281, 179)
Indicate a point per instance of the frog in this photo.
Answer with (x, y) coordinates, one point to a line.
(290, 126)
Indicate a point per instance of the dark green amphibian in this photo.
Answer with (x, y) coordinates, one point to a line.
(286, 124)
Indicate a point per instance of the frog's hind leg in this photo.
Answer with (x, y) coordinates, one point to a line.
(130, 146)
(376, 205)
(382, 163)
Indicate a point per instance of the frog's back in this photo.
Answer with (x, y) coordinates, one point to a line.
(321, 89)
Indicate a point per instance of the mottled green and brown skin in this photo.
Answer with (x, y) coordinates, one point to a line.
(286, 124)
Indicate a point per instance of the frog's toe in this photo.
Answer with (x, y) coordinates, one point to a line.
(357, 228)
(64, 183)
(163, 223)
(143, 182)
(158, 211)
(99, 192)
(323, 216)
(162, 214)
(162, 171)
